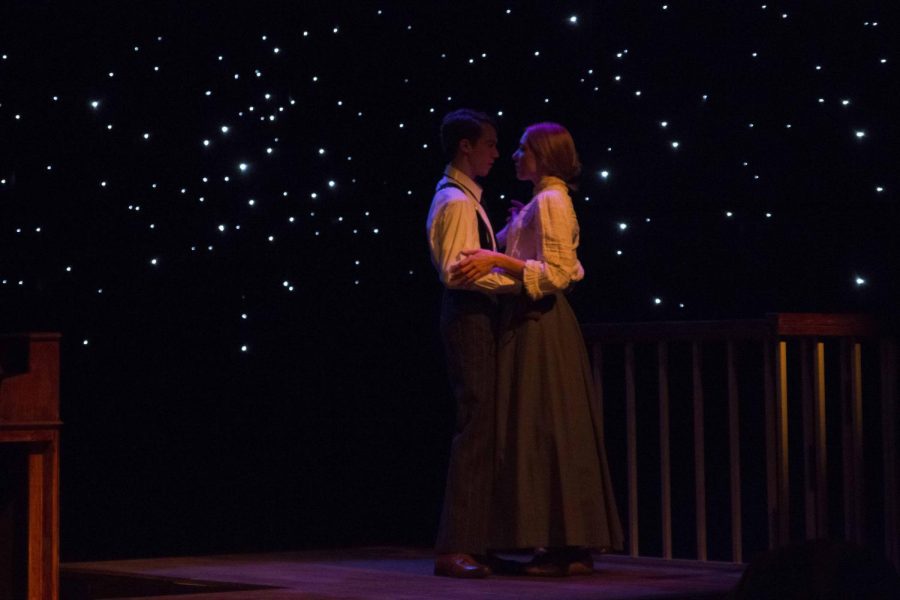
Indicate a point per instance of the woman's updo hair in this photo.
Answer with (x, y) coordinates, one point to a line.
(554, 151)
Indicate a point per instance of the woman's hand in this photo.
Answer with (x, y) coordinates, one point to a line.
(514, 208)
(477, 263)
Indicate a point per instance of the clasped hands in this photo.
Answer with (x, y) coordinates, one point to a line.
(478, 262)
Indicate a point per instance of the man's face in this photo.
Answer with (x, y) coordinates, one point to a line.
(484, 151)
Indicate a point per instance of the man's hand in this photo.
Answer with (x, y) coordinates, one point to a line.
(475, 264)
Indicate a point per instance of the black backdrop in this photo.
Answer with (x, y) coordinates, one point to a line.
(332, 426)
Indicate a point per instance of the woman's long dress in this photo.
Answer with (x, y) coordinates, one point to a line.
(553, 486)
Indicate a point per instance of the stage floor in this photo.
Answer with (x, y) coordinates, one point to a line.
(385, 573)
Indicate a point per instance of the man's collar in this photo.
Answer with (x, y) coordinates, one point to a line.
(464, 180)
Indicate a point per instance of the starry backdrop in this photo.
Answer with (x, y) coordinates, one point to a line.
(222, 207)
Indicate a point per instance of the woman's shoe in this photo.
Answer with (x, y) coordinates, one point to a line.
(561, 562)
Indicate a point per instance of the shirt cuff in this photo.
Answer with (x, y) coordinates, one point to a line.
(531, 278)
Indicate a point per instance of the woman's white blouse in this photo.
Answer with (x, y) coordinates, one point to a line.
(545, 235)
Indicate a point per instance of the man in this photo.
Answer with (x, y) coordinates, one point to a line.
(457, 222)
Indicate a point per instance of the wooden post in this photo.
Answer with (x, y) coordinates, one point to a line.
(699, 451)
(809, 454)
(821, 472)
(664, 449)
(631, 450)
(770, 404)
(857, 443)
(734, 441)
(889, 448)
(783, 470)
(847, 442)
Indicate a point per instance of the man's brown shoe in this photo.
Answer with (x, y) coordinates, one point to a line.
(460, 565)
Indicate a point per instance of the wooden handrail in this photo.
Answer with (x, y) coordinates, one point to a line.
(775, 324)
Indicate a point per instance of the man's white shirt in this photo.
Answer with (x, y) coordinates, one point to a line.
(453, 227)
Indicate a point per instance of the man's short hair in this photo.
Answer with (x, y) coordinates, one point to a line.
(462, 124)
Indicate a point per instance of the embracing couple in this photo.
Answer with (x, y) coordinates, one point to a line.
(528, 469)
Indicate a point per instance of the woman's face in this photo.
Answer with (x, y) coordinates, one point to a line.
(526, 164)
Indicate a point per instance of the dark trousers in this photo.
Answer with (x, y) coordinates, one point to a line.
(468, 330)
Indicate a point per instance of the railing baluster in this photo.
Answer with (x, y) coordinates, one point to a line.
(889, 443)
(631, 450)
(664, 448)
(821, 443)
(699, 451)
(783, 471)
(858, 491)
(847, 442)
(769, 402)
(734, 433)
(809, 455)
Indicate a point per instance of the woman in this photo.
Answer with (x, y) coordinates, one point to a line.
(553, 490)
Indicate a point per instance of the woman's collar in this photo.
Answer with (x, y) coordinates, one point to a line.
(547, 182)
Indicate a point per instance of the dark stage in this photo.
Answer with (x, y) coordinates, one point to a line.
(382, 573)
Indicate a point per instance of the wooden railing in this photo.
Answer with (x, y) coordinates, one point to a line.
(764, 368)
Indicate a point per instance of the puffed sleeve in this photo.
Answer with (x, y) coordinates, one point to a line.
(556, 265)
